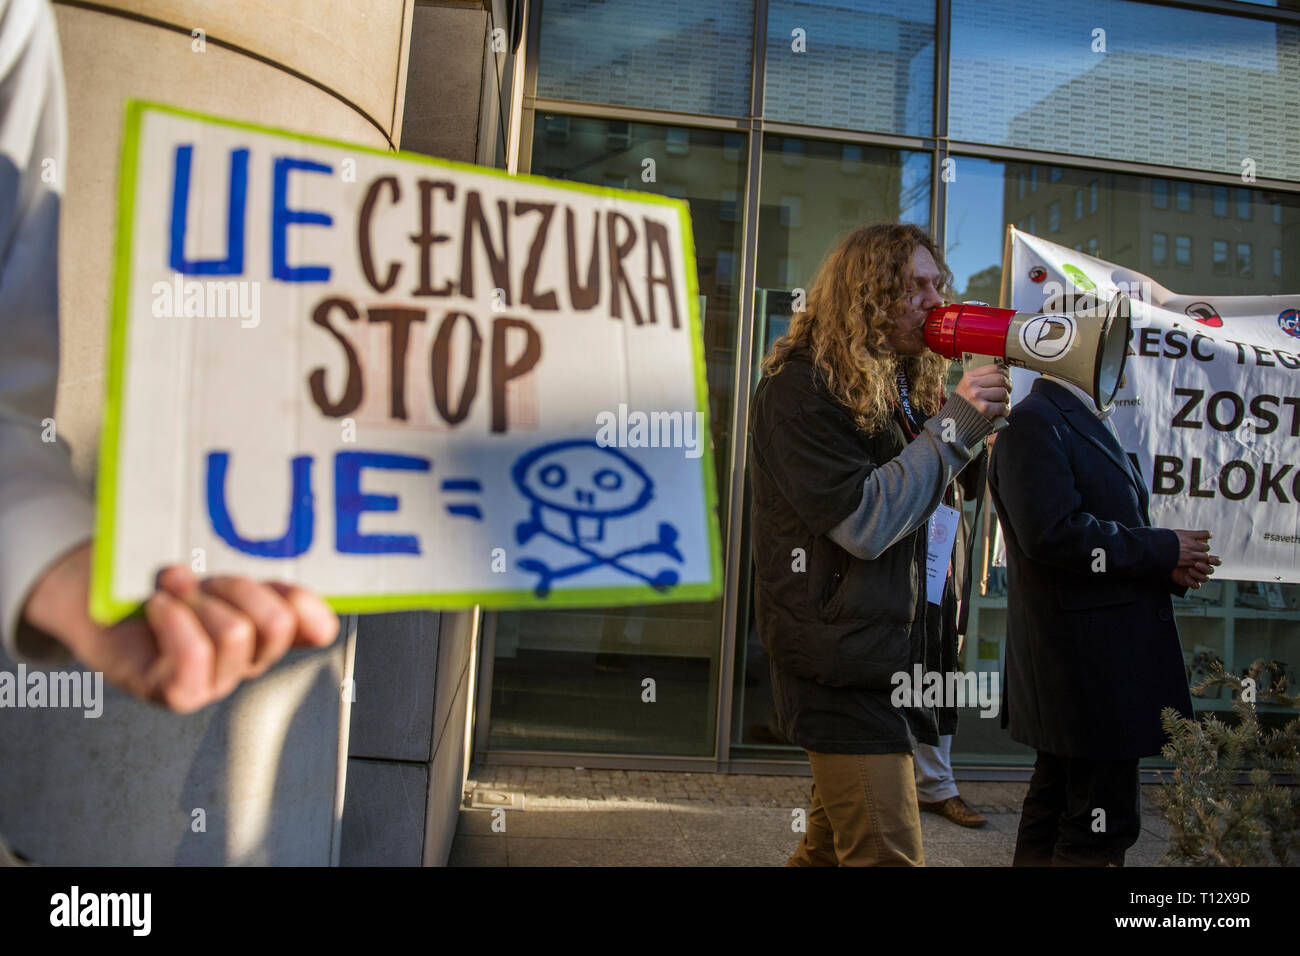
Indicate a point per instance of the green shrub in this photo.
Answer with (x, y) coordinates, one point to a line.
(1214, 818)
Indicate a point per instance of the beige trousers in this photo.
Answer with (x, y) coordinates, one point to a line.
(864, 812)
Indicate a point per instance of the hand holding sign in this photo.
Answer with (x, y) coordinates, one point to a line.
(198, 639)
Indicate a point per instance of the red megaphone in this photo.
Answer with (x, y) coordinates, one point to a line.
(1087, 346)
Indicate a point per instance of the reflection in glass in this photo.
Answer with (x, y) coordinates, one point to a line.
(573, 680)
(806, 206)
(1118, 225)
(867, 65)
(692, 56)
(1130, 81)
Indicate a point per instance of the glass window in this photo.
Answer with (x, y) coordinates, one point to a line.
(556, 128)
(1160, 193)
(1092, 196)
(730, 209)
(1078, 204)
(1159, 250)
(733, 147)
(726, 266)
(618, 134)
(1183, 251)
(1057, 173)
(1277, 263)
(1188, 88)
(790, 209)
(569, 680)
(985, 197)
(1054, 217)
(1243, 203)
(866, 65)
(1220, 200)
(1021, 178)
(888, 185)
(1244, 265)
(692, 56)
(1183, 200)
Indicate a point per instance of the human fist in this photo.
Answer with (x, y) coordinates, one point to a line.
(988, 388)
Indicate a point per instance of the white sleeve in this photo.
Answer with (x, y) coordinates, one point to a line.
(44, 510)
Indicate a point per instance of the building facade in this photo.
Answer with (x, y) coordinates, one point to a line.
(1156, 135)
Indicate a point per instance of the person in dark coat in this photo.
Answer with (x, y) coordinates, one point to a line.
(1093, 654)
(852, 449)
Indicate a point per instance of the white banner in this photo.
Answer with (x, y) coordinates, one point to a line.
(401, 381)
(1210, 408)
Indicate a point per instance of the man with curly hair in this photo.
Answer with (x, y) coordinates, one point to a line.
(852, 449)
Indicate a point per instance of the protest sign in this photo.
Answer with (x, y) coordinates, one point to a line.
(402, 382)
(1210, 409)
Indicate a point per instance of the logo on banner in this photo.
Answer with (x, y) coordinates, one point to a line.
(1037, 274)
(1048, 337)
(1079, 278)
(1205, 313)
(1289, 322)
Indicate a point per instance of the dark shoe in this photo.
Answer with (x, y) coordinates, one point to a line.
(955, 809)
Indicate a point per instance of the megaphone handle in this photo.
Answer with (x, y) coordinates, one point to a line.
(970, 361)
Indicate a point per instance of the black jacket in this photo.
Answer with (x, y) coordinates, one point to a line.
(1092, 648)
(836, 628)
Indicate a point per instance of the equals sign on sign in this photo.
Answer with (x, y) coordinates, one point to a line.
(460, 485)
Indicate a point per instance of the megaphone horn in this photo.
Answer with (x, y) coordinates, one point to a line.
(1085, 344)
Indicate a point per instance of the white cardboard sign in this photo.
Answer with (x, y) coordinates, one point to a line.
(400, 381)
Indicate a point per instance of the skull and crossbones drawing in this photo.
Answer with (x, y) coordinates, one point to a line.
(574, 488)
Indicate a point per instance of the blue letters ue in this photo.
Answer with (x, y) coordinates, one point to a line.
(302, 518)
(349, 504)
(233, 264)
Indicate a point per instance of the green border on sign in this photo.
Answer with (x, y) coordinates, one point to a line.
(107, 608)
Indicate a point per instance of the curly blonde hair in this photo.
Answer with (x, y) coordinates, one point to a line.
(859, 292)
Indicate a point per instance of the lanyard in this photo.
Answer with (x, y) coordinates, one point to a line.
(912, 426)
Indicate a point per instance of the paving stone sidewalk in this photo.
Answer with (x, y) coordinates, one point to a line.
(580, 817)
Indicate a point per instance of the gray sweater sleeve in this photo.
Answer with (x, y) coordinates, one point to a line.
(901, 494)
(44, 510)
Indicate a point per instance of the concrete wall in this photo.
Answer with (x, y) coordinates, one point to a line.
(407, 749)
(264, 766)
(415, 673)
